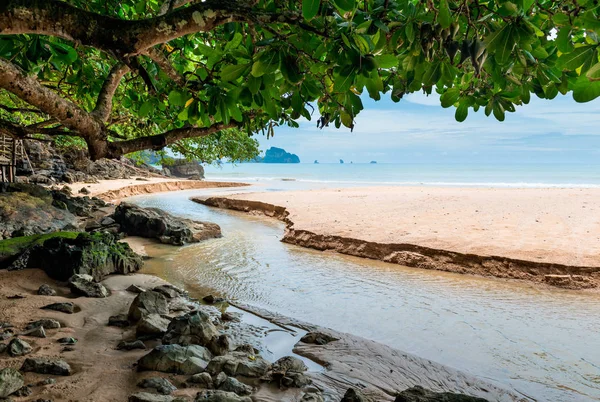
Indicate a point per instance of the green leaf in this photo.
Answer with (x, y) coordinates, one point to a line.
(563, 40)
(290, 70)
(146, 108)
(345, 5)
(387, 61)
(310, 8)
(433, 73)
(444, 17)
(498, 111)
(574, 60)
(176, 98)
(450, 97)
(527, 4)
(586, 90)
(593, 73)
(501, 43)
(233, 72)
(462, 111)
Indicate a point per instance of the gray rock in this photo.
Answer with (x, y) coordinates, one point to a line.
(152, 325)
(38, 332)
(47, 323)
(169, 291)
(148, 302)
(185, 168)
(3, 347)
(220, 396)
(210, 299)
(66, 307)
(46, 381)
(312, 397)
(220, 346)
(289, 363)
(353, 395)
(6, 334)
(160, 384)
(219, 379)
(237, 387)
(124, 345)
(239, 363)
(23, 391)
(120, 321)
(202, 380)
(85, 285)
(318, 338)
(18, 347)
(42, 365)
(46, 290)
(176, 359)
(148, 397)
(10, 381)
(135, 289)
(194, 328)
(420, 394)
(155, 223)
(67, 341)
(84, 190)
(294, 380)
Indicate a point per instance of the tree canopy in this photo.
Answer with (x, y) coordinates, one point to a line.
(128, 75)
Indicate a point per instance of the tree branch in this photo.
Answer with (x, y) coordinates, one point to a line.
(171, 5)
(164, 64)
(104, 103)
(159, 141)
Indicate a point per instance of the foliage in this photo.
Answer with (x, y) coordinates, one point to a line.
(281, 61)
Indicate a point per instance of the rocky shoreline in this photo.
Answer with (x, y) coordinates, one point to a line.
(558, 275)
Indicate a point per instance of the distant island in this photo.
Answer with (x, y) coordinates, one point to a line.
(373, 162)
(277, 155)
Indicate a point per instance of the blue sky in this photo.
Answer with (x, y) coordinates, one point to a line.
(418, 129)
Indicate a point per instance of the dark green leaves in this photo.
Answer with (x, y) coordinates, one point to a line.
(176, 99)
(444, 17)
(575, 59)
(310, 8)
(586, 90)
(501, 43)
(450, 97)
(233, 72)
(345, 5)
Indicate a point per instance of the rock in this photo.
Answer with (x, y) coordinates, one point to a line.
(153, 325)
(318, 338)
(176, 359)
(66, 307)
(184, 168)
(10, 381)
(6, 334)
(120, 321)
(289, 372)
(42, 365)
(47, 323)
(202, 380)
(210, 299)
(96, 254)
(239, 363)
(569, 281)
(220, 346)
(161, 385)
(23, 391)
(312, 397)
(18, 347)
(46, 290)
(182, 304)
(226, 316)
(3, 347)
(124, 345)
(135, 289)
(237, 387)
(219, 379)
(294, 380)
(148, 397)
(67, 341)
(279, 155)
(84, 190)
(289, 363)
(155, 223)
(85, 285)
(353, 395)
(169, 291)
(420, 394)
(148, 302)
(38, 332)
(220, 396)
(47, 381)
(194, 328)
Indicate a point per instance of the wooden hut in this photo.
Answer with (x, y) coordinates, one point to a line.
(12, 151)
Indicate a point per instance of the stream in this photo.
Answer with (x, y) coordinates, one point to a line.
(542, 343)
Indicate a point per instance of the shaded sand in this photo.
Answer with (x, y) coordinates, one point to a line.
(112, 190)
(511, 233)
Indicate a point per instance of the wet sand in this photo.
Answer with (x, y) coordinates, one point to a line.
(511, 233)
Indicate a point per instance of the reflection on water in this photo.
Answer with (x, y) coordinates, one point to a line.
(544, 343)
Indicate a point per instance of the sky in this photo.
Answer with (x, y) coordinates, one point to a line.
(419, 130)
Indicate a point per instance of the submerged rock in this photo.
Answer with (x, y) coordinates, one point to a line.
(10, 381)
(85, 285)
(46, 290)
(42, 365)
(65, 307)
(161, 385)
(420, 394)
(157, 224)
(146, 303)
(176, 359)
(220, 396)
(18, 347)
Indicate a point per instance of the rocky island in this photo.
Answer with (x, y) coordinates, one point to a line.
(278, 155)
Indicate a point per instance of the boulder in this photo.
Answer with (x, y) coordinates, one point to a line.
(148, 397)
(318, 338)
(18, 347)
(160, 384)
(237, 387)
(239, 363)
(46, 290)
(10, 381)
(420, 394)
(157, 224)
(152, 325)
(135, 289)
(202, 380)
(193, 328)
(169, 291)
(353, 395)
(220, 396)
(3, 347)
(289, 372)
(42, 365)
(124, 345)
(84, 285)
(23, 391)
(47, 323)
(148, 302)
(176, 359)
(120, 321)
(65, 307)
(186, 169)
(38, 332)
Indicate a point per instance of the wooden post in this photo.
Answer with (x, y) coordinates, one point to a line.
(13, 167)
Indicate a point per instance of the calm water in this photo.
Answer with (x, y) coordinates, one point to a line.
(517, 175)
(545, 344)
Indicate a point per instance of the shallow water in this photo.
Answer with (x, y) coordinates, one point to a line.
(543, 343)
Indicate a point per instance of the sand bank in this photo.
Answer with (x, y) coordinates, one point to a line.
(508, 233)
(113, 190)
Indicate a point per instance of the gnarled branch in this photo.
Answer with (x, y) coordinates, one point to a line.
(104, 103)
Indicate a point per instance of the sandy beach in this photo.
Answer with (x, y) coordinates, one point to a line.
(552, 227)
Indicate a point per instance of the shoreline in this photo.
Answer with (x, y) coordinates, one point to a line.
(413, 255)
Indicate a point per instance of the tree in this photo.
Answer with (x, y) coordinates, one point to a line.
(138, 74)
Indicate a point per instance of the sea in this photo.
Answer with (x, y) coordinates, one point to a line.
(311, 175)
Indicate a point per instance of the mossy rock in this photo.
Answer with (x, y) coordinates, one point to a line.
(12, 248)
